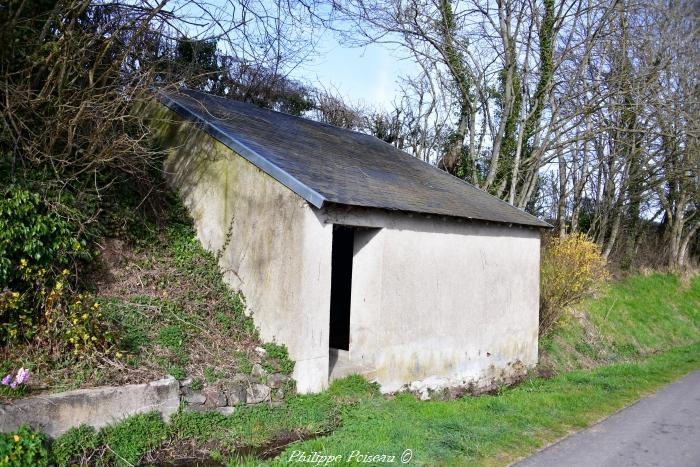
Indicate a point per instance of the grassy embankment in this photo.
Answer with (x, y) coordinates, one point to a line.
(164, 297)
(637, 317)
(642, 333)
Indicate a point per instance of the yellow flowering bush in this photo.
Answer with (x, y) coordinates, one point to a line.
(81, 327)
(10, 315)
(572, 268)
(49, 311)
(17, 307)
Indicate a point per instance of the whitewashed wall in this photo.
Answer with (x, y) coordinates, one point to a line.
(442, 302)
(279, 253)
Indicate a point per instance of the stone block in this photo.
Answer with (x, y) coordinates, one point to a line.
(236, 392)
(275, 380)
(257, 393)
(193, 397)
(215, 397)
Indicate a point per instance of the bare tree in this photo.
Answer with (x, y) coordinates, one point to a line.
(634, 151)
(73, 71)
(498, 66)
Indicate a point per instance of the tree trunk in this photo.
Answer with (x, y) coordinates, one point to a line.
(561, 204)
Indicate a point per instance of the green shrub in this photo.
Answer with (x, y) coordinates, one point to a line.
(572, 268)
(133, 437)
(30, 231)
(74, 445)
(22, 448)
(35, 244)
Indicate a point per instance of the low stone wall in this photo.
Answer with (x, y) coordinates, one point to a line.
(54, 414)
(224, 396)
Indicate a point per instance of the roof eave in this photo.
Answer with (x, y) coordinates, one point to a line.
(536, 224)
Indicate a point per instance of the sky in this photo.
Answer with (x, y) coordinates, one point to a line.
(368, 75)
(361, 75)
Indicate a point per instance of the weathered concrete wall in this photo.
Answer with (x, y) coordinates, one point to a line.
(279, 253)
(436, 301)
(54, 414)
(440, 302)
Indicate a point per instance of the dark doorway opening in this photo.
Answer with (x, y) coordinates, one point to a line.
(341, 286)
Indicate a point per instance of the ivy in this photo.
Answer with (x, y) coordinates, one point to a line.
(546, 36)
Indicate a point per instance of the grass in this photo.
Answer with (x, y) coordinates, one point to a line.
(353, 416)
(495, 430)
(623, 362)
(635, 317)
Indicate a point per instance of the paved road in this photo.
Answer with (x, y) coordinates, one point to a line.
(662, 429)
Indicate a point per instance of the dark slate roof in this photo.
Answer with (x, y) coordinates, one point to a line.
(323, 163)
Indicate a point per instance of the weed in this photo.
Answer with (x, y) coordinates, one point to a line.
(171, 337)
(586, 349)
(23, 447)
(243, 362)
(212, 376)
(626, 349)
(177, 372)
(134, 323)
(197, 384)
(277, 359)
(130, 439)
(289, 387)
(74, 446)
(353, 386)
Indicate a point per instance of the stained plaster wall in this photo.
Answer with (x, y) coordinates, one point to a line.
(435, 301)
(278, 253)
(439, 303)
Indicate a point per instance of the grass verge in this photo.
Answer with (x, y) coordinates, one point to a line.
(351, 417)
(497, 429)
(635, 317)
